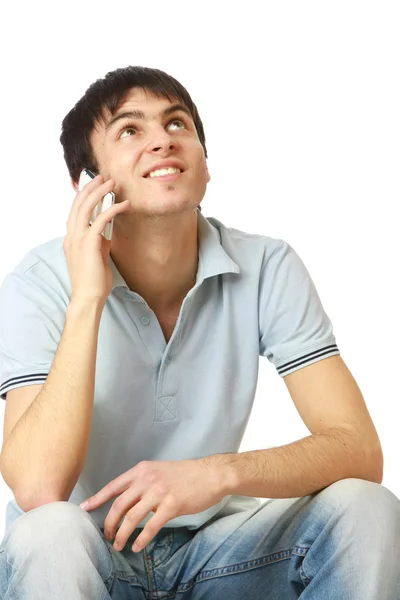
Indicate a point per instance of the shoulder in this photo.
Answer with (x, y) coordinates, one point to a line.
(246, 248)
(42, 268)
(50, 253)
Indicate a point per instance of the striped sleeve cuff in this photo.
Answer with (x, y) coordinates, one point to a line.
(22, 380)
(307, 359)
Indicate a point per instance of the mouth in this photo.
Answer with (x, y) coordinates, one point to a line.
(165, 178)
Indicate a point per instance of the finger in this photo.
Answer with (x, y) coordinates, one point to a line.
(107, 216)
(112, 489)
(120, 507)
(152, 527)
(79, 198)
(85, 209)
(131, 522)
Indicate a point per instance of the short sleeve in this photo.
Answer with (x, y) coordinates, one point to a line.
(294, 329)
(32, 320)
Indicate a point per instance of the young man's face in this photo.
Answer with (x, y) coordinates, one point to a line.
(127, 149)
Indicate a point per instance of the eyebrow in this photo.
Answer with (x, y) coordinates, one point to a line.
(138, 114)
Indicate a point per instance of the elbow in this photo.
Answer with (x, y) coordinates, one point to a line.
(368, 456)
(32, 501)
(372, 465)
(377, 461)
(379, 467)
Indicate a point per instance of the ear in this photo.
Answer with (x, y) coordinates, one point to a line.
(208, 174)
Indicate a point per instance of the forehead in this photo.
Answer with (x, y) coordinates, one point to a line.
(138, 99)
(138, 96)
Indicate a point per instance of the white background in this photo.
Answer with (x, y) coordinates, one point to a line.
(300, 105)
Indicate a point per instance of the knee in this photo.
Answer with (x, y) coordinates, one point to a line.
(60, 521)
(365, 502)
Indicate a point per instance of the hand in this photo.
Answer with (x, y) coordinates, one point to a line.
(171, 488)
(85, 248)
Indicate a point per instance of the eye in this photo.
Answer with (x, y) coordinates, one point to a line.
(130, 126)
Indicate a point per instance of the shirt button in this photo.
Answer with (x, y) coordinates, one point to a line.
(145, 320)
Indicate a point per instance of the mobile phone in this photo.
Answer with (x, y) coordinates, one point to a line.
(108, 200)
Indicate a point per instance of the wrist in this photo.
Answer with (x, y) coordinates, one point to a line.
(82, 307)
(224, 472)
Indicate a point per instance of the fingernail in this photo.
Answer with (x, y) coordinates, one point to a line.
(84, 505)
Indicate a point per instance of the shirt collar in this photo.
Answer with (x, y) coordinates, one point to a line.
(213, 260)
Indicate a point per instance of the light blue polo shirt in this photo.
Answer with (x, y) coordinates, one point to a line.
(189, 398)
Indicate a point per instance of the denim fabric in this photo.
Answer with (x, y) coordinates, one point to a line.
(340, 543)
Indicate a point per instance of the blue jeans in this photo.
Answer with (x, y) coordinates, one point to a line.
(342, 543)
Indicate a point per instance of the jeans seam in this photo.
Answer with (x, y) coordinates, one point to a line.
(305, 579)
(237, 568)
(149, 571)
(112, 572)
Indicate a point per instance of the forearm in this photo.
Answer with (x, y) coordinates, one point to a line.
(45, 452)
(298, 469)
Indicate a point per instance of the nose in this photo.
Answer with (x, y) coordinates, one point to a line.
(170, 146)
(161, 140)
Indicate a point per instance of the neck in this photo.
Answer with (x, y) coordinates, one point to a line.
(157, 256)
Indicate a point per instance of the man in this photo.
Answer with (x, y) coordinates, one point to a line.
(129, 368)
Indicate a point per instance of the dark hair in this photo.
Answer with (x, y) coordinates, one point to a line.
(110, 92)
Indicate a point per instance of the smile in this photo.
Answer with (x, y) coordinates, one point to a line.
(165, 178)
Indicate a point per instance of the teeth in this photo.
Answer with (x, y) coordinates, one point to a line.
(161, 172)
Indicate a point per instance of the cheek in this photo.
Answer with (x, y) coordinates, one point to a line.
(201, 170)
(199, 161)
(126, 152)
(124, 165)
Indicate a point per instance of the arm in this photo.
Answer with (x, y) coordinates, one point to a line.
(300, 468)
(44, 455)
(344, 442)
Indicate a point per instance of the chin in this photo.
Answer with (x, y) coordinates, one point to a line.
(170, 202)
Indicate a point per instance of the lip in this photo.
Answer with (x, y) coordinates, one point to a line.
(164, 164)
(165, 178)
